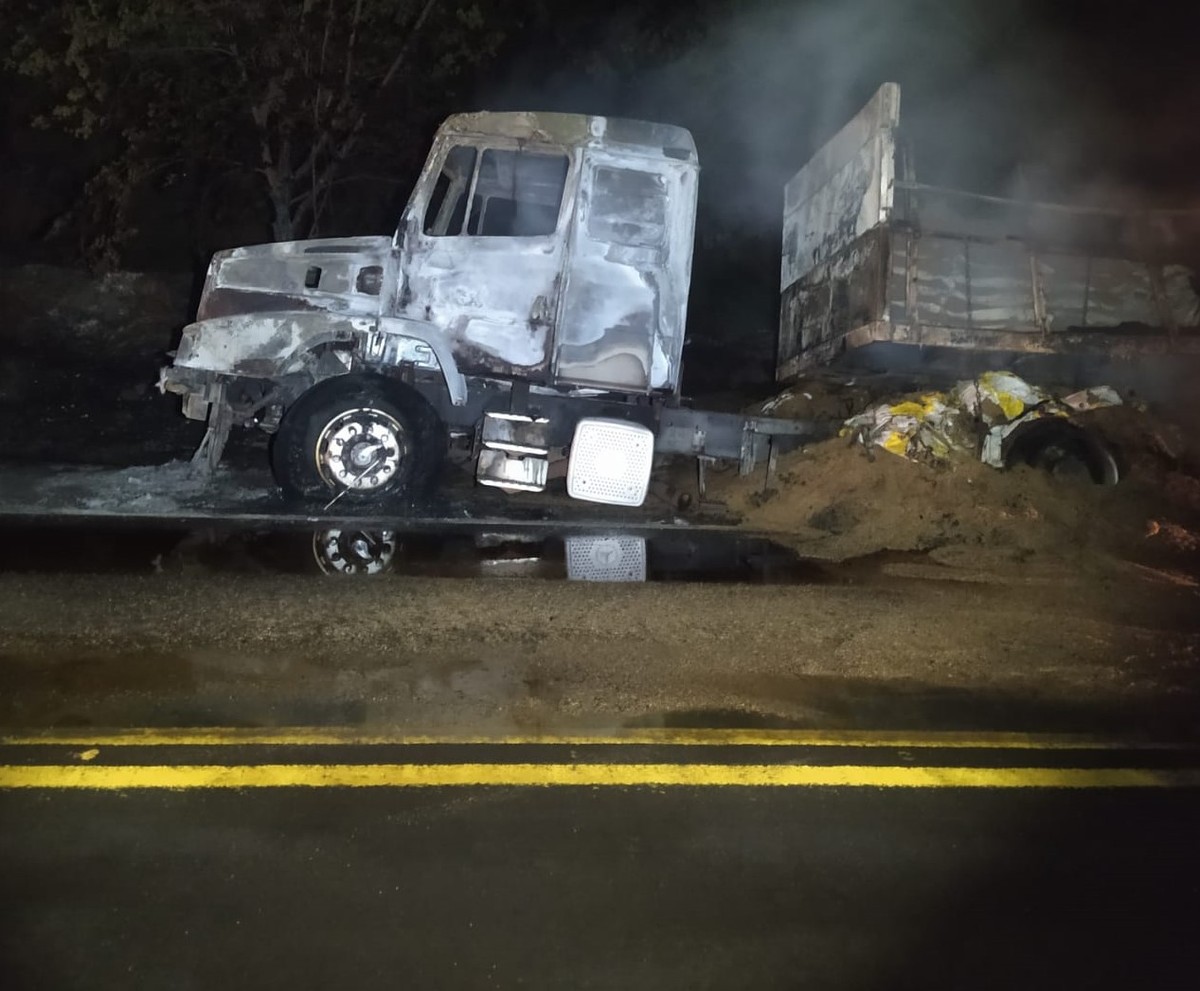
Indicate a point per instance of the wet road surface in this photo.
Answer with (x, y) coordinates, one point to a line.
(660, 859)
(213, 770)
(468, 550)
(476, 628)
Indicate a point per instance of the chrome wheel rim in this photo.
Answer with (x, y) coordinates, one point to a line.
(361, 450)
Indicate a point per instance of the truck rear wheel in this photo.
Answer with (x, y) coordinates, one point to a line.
(361, 438)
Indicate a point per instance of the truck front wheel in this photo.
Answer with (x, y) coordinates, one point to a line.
(356, 437)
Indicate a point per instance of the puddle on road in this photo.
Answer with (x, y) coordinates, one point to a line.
(649, 555)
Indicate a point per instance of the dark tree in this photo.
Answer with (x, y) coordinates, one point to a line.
(293, 94)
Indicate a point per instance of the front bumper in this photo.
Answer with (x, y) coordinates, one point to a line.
(199, 389)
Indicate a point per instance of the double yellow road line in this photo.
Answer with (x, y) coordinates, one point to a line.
(175, 777)
(258, 758)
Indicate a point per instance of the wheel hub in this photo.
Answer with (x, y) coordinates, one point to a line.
(361, 450)
(361, 455)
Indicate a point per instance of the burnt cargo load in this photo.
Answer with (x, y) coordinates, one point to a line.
(877, 266)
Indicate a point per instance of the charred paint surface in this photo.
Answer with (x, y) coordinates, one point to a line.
(265, 307)
(625, 304)
(264, 344)
(237, 302)
(838, 295)
(549, 248)
(597, 296)
(318, 275)
(844, 191)
(869, 259)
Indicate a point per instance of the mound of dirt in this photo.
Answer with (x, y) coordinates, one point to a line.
(838, 500)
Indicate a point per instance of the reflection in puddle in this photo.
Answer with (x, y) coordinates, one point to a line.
(606, 559)
(354, 552)
(606, 556)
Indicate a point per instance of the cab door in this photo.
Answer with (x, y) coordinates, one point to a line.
(624, 303)
(484, 251)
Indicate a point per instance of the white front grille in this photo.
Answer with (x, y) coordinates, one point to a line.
(606, 559)
(610, 462)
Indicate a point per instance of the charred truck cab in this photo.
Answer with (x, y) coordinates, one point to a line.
(530, 308)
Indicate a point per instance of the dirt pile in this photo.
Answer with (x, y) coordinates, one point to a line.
(839, 499)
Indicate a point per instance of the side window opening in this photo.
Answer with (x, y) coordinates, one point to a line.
(448, 204)
(518, 193)
(628, 208)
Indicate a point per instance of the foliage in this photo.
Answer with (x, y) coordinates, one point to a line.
(295, 93)
(280, 112)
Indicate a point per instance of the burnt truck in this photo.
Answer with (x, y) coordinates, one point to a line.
(529, 311)
(881, 270)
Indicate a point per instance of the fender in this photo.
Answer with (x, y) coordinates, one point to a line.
(270, 345)
(402, 329)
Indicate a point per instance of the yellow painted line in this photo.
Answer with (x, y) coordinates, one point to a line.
(349, 736)
(121, 778)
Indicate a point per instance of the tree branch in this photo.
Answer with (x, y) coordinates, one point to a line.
(351, 139)
(317, 107)
(179, 49)
(390, 180)
(350, 43)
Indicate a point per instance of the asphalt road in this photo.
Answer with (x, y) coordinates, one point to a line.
(662, 860)
(355, 854)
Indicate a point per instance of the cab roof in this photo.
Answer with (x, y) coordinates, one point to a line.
(577, 130)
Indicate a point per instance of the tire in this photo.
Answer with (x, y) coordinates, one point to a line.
(1064, 450)
(359, 438)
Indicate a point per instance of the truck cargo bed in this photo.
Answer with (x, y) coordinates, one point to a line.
(872, 258)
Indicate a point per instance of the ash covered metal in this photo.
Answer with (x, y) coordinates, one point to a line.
(870, 256)
(553, 248)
